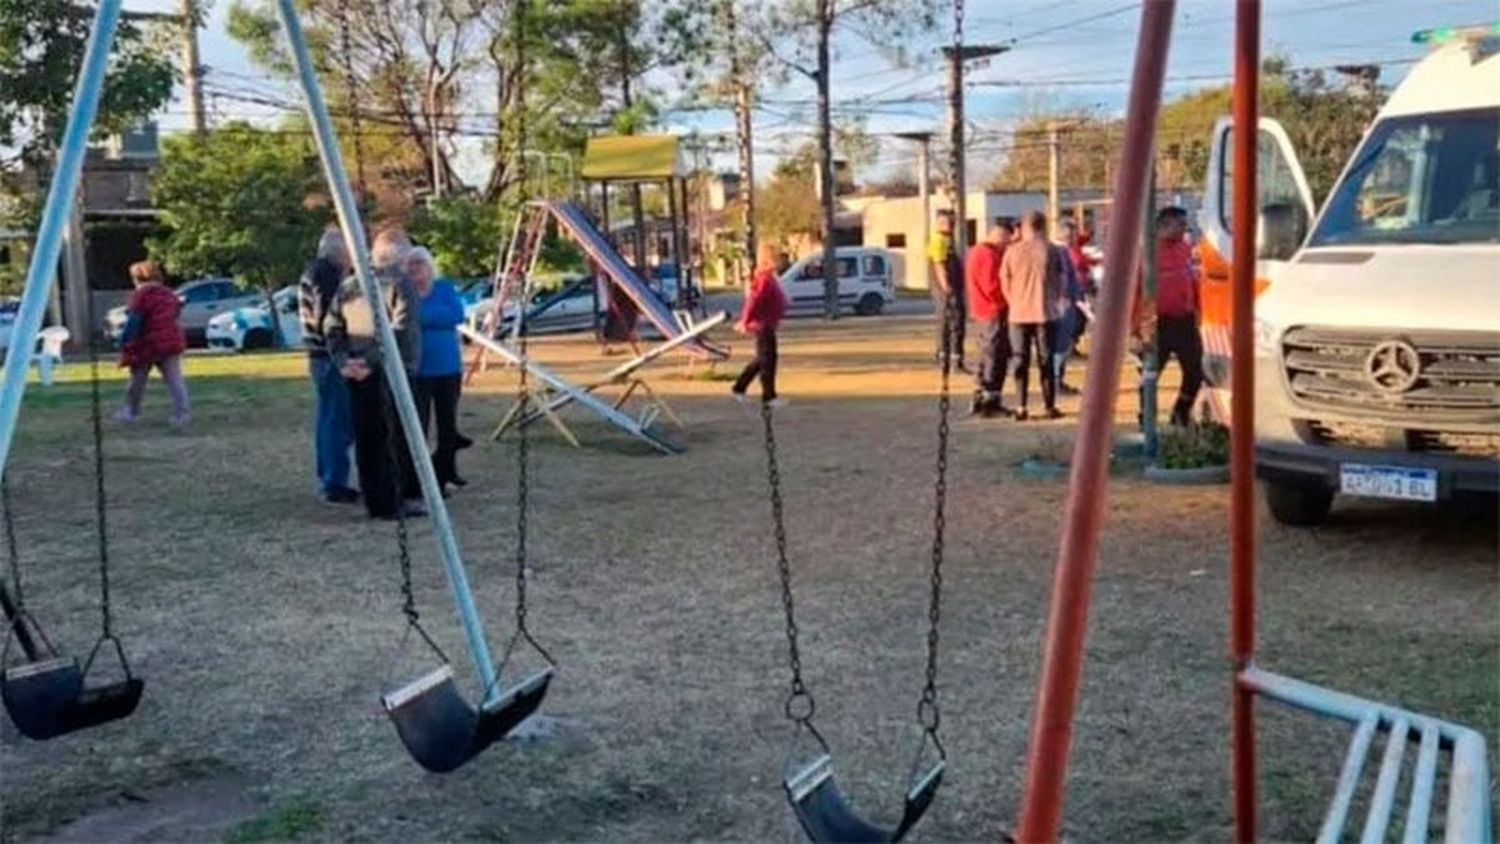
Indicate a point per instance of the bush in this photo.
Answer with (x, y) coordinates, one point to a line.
(1194, 447)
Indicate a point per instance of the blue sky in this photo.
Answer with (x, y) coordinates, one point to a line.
(1065, 54)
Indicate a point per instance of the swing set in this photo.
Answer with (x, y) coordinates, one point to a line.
(48, 695)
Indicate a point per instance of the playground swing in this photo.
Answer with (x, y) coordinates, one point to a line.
(48, 695)
(822, 808)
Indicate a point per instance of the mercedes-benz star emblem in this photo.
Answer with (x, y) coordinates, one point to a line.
(1393, 366)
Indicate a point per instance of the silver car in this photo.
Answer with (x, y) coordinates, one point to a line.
(202, 300)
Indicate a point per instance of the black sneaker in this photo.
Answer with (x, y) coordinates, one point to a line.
(341, 495)
(1021, 415)
(462, 442)
(1067, 390)
(1054, 413)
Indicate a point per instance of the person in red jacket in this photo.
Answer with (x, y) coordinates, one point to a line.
(765, 305)
(1177, 309)
(152, 339)
(987, 307)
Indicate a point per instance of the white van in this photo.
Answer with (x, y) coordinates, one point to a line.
(864, 281)
(1378, 329)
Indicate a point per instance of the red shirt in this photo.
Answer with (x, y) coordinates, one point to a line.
(765, 305)
(1176, 278)
(982, 281)
(159, 336)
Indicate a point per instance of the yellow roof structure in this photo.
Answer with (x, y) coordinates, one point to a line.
(632, 158)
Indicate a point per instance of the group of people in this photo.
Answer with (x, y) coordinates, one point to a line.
(1026, 294)
(345, 360)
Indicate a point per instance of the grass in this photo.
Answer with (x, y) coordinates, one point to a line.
(266, 623)
(293, 820)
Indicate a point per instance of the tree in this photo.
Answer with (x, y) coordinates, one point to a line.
(880, 23)
(41, 51)
(463, 232)
(787, 208)
(1084, 144)
(239, 201)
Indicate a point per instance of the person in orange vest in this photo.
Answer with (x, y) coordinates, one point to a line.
(1177, 309)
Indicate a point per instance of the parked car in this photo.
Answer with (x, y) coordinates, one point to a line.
(864, 275)
(251, 327)
(573, 312)
(9, 308)
(1377, 359)
(202, 299)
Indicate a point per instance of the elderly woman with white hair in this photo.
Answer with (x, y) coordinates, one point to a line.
(440, 371)
(387, 478)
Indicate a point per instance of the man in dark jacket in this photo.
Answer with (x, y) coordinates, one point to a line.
(333, 432)
(386, 474)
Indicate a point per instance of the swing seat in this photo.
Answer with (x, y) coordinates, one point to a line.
(102, 704)
(827, 816)
(442, 731)
(38, 695)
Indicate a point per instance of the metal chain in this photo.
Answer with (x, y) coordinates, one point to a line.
(13, 555)
(96, 408)
(927, 708)
(799, 705)
(523, 447)
(351, 82)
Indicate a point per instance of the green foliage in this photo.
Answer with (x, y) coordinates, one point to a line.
(288, 822)
(463, 232)
(786, 207)
(1325, 121)
(1194, 446)
(236, 202)
(41, 50)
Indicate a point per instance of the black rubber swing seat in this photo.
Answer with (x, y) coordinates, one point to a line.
(48, 699)
(827, 816)
(442, 731)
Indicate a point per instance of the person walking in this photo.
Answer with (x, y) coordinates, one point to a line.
(387, 477)
(946, 285)
(333, 432)
(440, 370)
(987, 306)
(1031, 280)
(765, 306)
(152, 339)
(1177, 309)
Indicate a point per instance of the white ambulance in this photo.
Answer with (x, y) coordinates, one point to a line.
(1378, 319)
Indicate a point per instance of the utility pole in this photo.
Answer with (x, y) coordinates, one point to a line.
(924, 187)
(956, 56)
(1054, 149)
(192, 70)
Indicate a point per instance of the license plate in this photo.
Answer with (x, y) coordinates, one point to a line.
(1388, 482)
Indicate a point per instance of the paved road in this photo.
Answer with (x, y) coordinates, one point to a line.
(903, 306)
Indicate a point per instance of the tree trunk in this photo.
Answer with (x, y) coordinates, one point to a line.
(825, 155)
(745, 142)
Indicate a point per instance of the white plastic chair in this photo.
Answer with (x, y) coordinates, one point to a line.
(49, 341)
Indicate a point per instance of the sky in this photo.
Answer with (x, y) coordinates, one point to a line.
(1062, 55)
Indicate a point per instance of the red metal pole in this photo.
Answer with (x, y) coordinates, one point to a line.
(1067, 621)
(1242, 413)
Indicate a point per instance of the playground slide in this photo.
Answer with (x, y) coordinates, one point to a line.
(582, 231)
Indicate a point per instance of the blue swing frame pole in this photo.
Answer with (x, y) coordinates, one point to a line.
(395, 374)
(60, 198)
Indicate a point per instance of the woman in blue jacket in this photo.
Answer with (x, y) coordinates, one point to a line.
(439, 376)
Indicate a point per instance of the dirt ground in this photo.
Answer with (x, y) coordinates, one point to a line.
(266, 622)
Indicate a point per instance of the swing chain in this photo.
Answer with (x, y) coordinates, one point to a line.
(100, 502)
(395, 433)
(928, 713)
(799, 705)
(523, 395)
(13, 555)
(351, 83)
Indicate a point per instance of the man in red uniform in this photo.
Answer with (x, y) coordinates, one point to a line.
(1177, 309)
(987, 307)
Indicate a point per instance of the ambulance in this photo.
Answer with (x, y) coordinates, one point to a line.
(1377, 332)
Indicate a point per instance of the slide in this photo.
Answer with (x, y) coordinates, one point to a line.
(578, 226)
